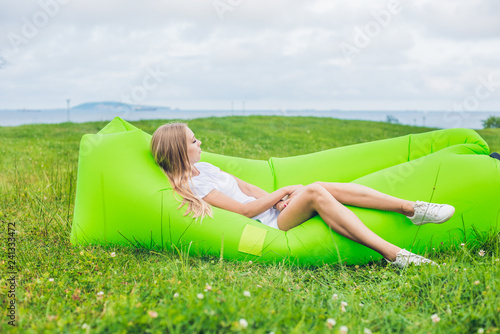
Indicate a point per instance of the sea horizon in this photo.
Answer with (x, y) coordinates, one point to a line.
(433, 119)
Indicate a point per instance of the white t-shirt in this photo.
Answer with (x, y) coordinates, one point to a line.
(211, 178)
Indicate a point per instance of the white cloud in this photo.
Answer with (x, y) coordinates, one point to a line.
(269, 54)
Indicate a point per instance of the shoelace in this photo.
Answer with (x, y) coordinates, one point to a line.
(428, 209)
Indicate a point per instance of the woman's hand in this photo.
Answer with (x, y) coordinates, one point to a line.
(290, 190)
(297, 190)
(281, 205)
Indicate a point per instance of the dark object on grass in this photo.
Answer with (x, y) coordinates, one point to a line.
(495, 155)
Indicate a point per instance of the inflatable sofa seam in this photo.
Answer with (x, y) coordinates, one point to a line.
(409, 147)
(273, 173)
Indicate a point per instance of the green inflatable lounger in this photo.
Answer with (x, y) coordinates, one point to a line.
(123, 198)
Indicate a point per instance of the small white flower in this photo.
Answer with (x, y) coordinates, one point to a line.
(343, 303)
(153, 314)
(250, 262)
(480, 330)
(113, 254)
(81, 253)
(176, 295)
(361, 305)
(435, 318)
(444, 263)
(462, 244)
(85, 326)
(243, 323)
(343, 330)
(335, 296)
(208, 287)
(51, 280)
(246, 293)
(481, 252)
(476, 282)
(367, 331)
(100, 293)
(330, 323)
(200, 296)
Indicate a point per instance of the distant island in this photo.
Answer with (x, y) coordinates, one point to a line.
(117, 106)
(107, 110)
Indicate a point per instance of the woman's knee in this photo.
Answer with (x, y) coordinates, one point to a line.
(314, 188)
(332, 188)
(340, 190)
(317, 193)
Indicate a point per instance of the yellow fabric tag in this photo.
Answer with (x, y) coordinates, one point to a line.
(252, 240)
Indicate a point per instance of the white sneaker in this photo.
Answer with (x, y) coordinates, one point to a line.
(405, 258)
(431, 213)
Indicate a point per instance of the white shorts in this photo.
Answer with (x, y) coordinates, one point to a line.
(269, 218)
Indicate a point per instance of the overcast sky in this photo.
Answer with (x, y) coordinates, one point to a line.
(273, 54)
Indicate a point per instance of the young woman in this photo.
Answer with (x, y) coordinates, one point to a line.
(177, 152)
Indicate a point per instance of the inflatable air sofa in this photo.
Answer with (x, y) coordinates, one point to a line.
(123, 198)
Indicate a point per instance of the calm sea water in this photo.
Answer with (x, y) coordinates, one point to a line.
(436, 119)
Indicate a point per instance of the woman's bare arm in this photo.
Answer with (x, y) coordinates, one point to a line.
(250, 189)
(250, 209)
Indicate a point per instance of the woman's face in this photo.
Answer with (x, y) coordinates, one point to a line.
(193, 146)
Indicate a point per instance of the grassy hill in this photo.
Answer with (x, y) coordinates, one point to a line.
(68, 289)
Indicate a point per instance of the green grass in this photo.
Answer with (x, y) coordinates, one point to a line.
(38, 166)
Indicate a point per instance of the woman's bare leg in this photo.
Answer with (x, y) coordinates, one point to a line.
(365, 197)
(314, 198)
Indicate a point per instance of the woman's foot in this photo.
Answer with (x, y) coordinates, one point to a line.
(425, 213)
(404, 258)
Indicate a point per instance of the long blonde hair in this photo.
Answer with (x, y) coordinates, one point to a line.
(169, 148)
